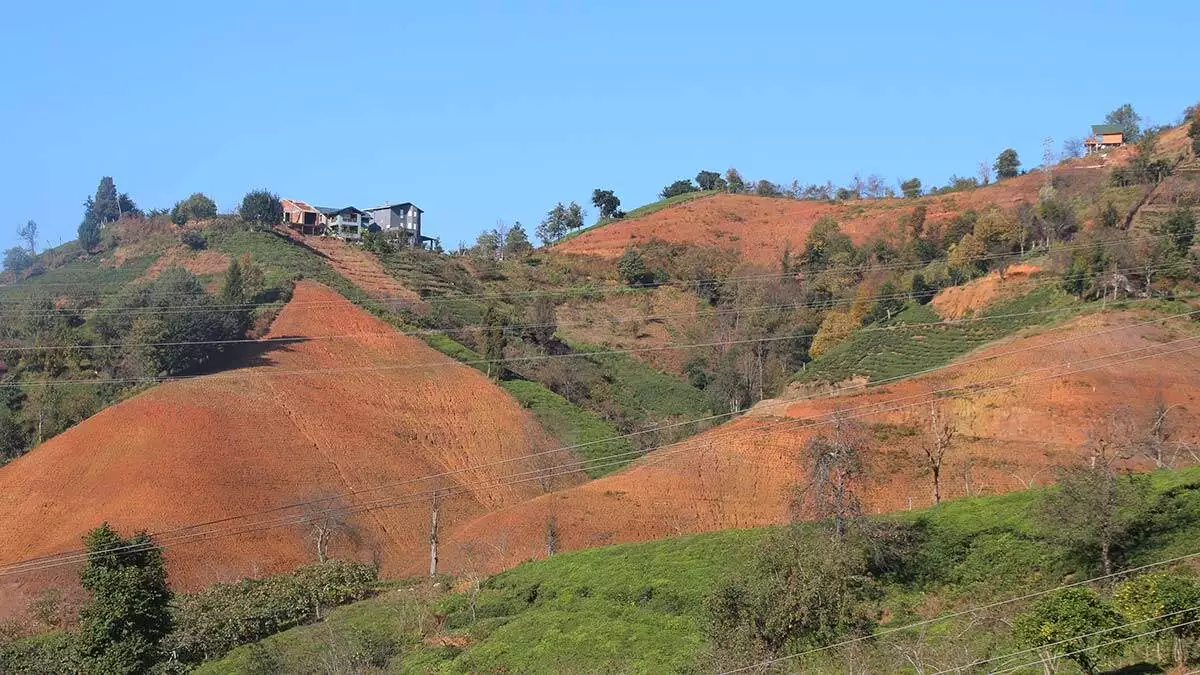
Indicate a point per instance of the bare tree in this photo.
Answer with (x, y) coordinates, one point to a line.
(551, 535)
(835, 462)
(1072, 148)
(936, 440)
(1157, 440)
(433, 535)
(28, 233)
(328, 518)
(985, 173)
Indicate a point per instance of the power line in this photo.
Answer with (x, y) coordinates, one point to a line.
(1005, 657)
(587, 290)
(392, 502)
(1099, 646)
(709, 418)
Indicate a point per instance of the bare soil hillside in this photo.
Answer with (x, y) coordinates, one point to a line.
(760, 228)
(298, 421)
(745, 474)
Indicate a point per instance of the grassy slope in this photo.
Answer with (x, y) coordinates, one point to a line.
(78, 278)
(887, 354)
(639, 607)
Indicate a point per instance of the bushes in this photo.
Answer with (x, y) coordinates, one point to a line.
(262, 207)
(223, 616)
(196, 207)
(193, 240)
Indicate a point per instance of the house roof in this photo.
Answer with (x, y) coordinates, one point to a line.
(299, 205)
(1107, 129)
(384, 207)
(333, 212)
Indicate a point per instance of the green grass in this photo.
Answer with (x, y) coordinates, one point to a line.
(646, 210)
(640, 387)
(885, 354)
(283, 258)
(640, 607)
(79, 278)
(573, 425)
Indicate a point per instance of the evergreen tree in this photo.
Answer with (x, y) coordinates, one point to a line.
(196, 207)
(555, 224)
(516, 242)
(911, 188)
(1008, 165)
(607, 202)
(734, 181)
(106, 206)
(128, 611)
(1129, 121)
(494, 341)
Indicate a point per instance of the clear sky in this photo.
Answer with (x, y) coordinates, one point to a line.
(478, 111)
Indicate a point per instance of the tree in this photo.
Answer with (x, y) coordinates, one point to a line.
(1094, 510)
(607, 202)
(679, 187)
(1072, 148)
(1180, 229)
(89, 234)
(911, 188)
(710, 180)
(1067, 624)
(800, 591)
(261, 207)
(826, 244)
(558, 221)
(17, 260)
(936, 440)
(196, 207)
(1128, 120)
(734, 181)
(1166, 602)
(232, 290)
(985, 173)
(105, 207)
(765, 188)
(835, 462)
(128, 612)
(29, 234)
(516, 242)
(543, 322)
(487, 246)
(495, 339)
(631, 267)
(1008, 165)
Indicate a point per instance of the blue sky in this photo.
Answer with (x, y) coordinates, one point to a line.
(480, 111)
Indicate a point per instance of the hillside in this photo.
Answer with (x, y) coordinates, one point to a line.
(641, 607)
(760, 228)
(298, 420)
(743, 474)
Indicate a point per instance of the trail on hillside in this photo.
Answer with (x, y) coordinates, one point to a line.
(363, 269)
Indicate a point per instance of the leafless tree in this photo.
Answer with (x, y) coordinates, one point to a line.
(1072, 148)
(551, 535)
(985, 173)
(502, 230)
(835, 461)
(433, 535)
(29, 234)
(328, 518)
(936, 441)
(1157, 441)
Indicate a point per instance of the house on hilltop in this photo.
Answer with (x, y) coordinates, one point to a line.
(402, 220)
(1105, 137)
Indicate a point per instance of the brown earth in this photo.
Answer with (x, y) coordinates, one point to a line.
(363, 269)
(200, 263)
(650, 319)
(956, 302)
(760, 228)
(256, 438)
(743, 474)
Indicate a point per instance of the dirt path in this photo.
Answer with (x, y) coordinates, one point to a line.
(363, 269)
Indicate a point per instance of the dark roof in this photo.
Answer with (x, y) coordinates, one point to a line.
(333, 212)
(383, 207)
(1107, 129)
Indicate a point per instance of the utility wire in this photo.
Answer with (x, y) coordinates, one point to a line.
(1098, 646)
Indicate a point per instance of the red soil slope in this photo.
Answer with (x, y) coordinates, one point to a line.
(743, 474)
(759, 228)
(256, 438)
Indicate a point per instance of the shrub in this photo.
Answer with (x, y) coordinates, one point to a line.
(679, 187)
(1064, 624)
(262, 207)
(223, 616)
(631, 267)
(193, 240)
(196, 207)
